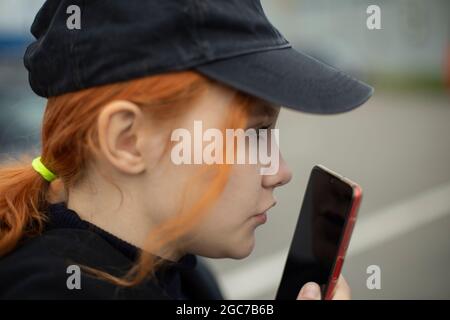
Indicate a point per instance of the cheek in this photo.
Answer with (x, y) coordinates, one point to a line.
(224, 233)
(164, 195)
(243, 189)
(173, 188)
(238, 202)
(227, 230)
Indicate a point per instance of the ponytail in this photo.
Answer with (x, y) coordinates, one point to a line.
(23, 198)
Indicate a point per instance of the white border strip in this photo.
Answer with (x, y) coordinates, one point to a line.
(264, 274)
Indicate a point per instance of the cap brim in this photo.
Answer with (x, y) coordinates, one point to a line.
(291, 79)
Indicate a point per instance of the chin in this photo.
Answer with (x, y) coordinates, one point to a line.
(237, 248)
(242, 251)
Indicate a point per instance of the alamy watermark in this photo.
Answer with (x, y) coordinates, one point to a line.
(374, 279)
(262, 147)
(74, 19)
(74, 279)
(373, 21)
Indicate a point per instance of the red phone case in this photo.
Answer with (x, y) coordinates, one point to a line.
(345, 240)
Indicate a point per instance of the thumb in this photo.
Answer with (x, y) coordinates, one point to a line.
(310, 291)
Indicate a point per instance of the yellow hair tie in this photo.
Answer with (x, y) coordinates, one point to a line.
(42, 170)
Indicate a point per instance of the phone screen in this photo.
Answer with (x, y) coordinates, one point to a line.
(318, 234)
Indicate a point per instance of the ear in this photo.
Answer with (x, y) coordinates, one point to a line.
(120, 125)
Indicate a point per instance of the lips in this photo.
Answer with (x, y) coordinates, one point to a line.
(262, 217)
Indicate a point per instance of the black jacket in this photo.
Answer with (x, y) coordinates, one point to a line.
(38, 268)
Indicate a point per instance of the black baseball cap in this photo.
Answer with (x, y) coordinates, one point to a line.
(231, 41)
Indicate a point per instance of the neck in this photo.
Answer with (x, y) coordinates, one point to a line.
(116, 213)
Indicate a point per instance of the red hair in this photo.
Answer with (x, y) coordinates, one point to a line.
(69, 139)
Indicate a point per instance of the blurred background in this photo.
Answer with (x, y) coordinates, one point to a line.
(397, 146)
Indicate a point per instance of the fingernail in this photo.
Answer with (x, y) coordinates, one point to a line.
(311, 291)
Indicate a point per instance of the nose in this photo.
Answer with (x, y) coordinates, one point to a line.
(282, 177)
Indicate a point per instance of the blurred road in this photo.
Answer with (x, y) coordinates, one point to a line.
(397, 146)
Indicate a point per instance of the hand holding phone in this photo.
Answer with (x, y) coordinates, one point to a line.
(312, 291)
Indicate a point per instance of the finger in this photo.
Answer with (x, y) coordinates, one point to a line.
(342, 291)
(310, 291)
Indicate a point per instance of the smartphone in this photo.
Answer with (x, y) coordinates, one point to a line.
(322, 234)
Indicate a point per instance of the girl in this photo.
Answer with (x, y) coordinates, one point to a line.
(105, 212)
